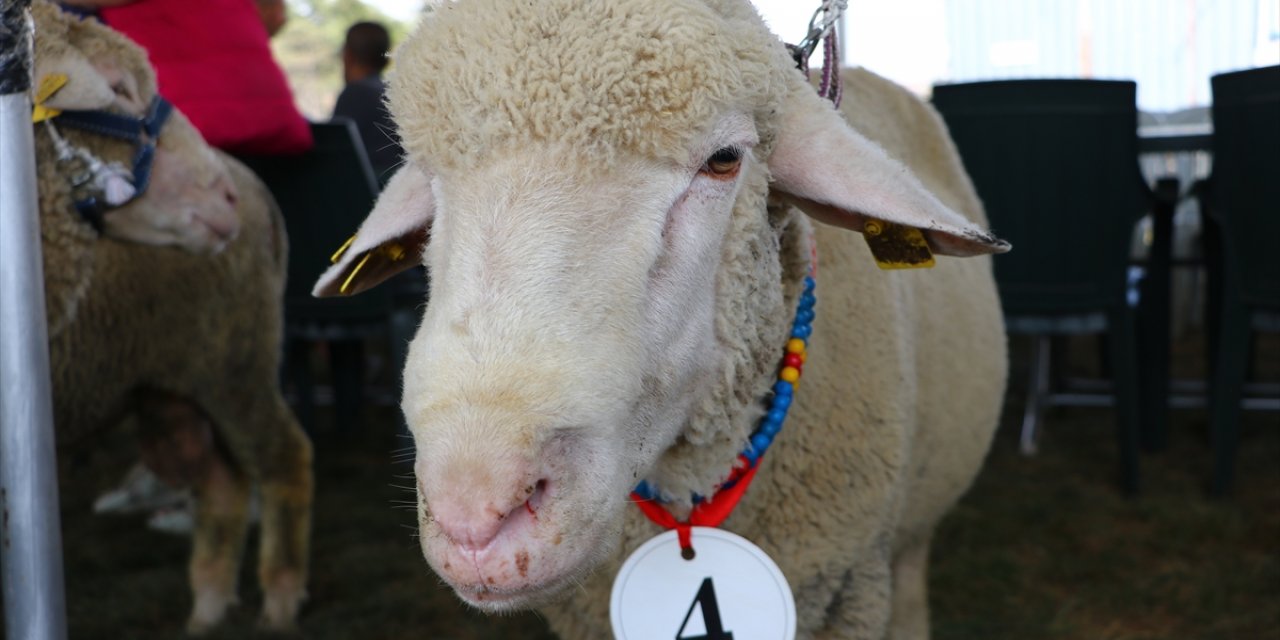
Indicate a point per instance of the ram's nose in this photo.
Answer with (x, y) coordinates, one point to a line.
(471, 509)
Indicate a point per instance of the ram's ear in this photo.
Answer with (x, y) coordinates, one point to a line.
(837, 176)
(69, 82)
(389, 241)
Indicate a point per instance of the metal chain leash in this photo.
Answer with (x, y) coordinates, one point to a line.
(822, 28)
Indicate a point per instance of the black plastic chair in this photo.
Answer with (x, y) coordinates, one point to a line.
(1242, 196)
(324, 195)
(1056, 165)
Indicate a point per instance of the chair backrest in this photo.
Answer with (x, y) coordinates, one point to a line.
(1056, 165)
(1244, 189)
(324, 195)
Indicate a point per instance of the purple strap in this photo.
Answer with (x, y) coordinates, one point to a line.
(829, 87)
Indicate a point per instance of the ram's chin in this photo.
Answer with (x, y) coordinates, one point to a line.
(529, 564)
(500, 601)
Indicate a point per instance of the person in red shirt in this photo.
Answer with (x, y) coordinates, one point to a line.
(213, 62)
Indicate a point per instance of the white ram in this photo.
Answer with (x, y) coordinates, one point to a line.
(613, 193)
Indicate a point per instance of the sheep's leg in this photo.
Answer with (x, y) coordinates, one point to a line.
(286, 487)
(910, 618)
(222, 514)
(266, 440)
(860, 609)
(177, 444)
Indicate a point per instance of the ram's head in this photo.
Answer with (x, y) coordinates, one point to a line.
(83, 67)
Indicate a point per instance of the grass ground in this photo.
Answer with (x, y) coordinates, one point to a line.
(1043, 547)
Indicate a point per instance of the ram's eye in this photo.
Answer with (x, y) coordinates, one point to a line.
(724, 163)
(125, 91)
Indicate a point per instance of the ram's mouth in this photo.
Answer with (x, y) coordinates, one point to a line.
(511, 599)
(537, 557)
(224, 229)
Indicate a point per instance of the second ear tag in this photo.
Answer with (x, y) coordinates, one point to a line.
(897, 246)
(370, 266)
(49, 85)
(375, 264)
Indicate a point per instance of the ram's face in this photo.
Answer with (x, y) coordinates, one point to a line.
(570, 327)
(580, 201)
(190, 200)
(580, 188)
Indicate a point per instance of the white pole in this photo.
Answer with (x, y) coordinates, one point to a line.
(31, 539)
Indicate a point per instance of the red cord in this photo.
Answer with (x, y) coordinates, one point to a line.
(708, 513)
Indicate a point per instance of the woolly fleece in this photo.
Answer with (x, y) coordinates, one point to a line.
(892, 420)
(902, 390)
(130, 321)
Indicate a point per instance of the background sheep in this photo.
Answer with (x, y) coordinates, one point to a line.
(611, 193)
(190, 343)
(192, 199)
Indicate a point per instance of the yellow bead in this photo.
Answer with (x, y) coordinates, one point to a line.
(795, 345)
(790, 374)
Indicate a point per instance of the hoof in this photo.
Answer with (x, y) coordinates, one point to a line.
(280, 610)
(211, 607)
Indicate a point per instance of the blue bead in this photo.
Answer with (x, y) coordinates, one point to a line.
(782, 402)
(777, 414)
(760, 442)
(643, 490)
(770, 428)
(801, 331)
(809, 284)
(807, 301)
(782, 388)
(805, 316)
(751, 455)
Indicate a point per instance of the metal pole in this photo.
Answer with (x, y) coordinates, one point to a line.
(31, 539)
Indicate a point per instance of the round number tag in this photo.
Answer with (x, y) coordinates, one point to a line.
(730, 590)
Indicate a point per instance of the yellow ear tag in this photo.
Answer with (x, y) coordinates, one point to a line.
(49, 85)
(377, 260)
(337, 255)
(897, 246)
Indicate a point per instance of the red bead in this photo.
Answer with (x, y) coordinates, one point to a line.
(793, 360)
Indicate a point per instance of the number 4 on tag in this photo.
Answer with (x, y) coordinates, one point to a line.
(737, 591)
(714, 630)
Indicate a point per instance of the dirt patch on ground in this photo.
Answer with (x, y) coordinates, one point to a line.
(1043, 547)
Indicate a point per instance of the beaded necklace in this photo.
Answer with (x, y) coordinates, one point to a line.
(711, 511)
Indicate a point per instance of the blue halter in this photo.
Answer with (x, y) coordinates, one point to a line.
(143, 132)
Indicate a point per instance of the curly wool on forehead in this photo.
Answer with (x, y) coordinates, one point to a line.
(481, 77)
(59, 34)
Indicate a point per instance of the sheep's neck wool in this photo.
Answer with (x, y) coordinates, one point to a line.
(711, 511)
